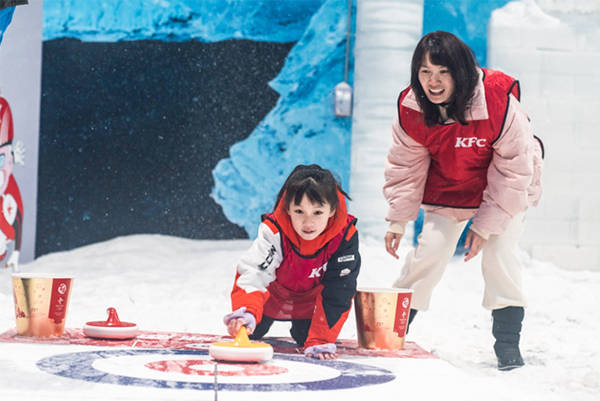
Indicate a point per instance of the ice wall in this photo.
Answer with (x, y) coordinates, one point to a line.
(386, 34)
(468, 19)
(177, 20)
(5, 18)
(553, 47)
(302, 127)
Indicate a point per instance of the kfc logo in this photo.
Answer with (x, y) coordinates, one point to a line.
(469, 142)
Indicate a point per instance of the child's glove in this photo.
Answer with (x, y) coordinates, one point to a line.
(321, 351)
(241, 318)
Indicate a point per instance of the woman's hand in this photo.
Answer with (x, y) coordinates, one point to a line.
(392, 241)
(474, 242)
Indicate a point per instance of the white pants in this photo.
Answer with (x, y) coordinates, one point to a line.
(437, 242)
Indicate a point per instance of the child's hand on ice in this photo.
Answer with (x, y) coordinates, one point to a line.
(321, 351)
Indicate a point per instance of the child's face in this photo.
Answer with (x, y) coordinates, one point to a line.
(309, 219)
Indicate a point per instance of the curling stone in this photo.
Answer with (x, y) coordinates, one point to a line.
(241, 349)
(112, 328)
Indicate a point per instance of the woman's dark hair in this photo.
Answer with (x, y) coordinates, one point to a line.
(445, 49)
(317, 183)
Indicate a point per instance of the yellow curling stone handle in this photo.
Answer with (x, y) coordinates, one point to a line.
(241, 339)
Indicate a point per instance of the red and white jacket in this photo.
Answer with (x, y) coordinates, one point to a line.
(287, 278)
(489, 170)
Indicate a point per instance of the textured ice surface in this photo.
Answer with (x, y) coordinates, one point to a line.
(5, 19)
(302, 127)
(468, 19)
(177, 20)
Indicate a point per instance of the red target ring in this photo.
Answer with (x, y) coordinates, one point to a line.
(201, 367)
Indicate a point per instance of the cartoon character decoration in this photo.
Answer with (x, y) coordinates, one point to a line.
(11, 205)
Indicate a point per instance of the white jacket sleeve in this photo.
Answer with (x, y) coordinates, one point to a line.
(258, 264)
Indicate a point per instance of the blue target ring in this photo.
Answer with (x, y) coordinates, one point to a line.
(78, 365)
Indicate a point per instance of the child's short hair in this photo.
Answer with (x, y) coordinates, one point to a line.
(317, 183)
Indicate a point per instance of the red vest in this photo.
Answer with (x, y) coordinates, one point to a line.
(298, 279)
(461, 154)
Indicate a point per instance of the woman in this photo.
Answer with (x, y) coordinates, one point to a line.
(463, 149)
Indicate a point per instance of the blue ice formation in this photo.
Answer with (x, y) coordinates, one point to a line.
(467, 19)
(177, 20)
(301, 128)
(5, 19)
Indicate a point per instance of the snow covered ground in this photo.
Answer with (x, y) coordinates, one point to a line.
(173, 284)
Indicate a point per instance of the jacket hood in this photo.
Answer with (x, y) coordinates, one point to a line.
(336, 223)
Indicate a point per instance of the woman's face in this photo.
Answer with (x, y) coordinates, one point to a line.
(436, 81)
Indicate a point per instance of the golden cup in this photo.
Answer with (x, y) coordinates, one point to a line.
(41, 303)
(382, 317)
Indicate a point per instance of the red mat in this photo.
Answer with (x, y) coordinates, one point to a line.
(173, 340)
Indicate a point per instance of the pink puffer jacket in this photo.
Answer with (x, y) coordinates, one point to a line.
(513, 177)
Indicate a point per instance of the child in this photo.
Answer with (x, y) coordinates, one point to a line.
(302, 267)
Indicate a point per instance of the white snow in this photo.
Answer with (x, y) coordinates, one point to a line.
(174, 284)
(523, 13)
